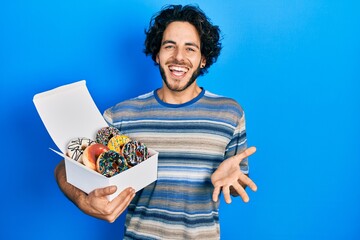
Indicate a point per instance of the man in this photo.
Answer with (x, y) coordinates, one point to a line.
(193, 131)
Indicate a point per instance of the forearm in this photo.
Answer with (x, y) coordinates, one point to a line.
(95, 203)
(72, 193)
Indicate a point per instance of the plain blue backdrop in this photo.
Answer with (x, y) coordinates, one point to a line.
(292, 65)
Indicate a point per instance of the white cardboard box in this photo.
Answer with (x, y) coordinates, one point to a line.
(69, 112)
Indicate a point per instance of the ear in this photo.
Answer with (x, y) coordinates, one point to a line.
(203, 62)
(157, 59)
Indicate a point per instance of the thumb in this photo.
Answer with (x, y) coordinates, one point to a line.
(244, 154)
(103, 192)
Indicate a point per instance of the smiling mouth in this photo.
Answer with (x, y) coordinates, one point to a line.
(177, 70)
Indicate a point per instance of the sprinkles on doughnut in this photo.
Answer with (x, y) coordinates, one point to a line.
(105, 134)
(134, 152)
(117, 142)
(110, 163)
(110, 154)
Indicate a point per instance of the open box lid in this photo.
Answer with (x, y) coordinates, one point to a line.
(69, 112)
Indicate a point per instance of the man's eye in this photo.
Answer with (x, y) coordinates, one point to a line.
(190, 50)
(169, 47)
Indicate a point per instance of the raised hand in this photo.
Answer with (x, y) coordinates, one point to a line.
(229, 176)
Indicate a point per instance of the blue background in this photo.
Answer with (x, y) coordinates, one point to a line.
(292, 65)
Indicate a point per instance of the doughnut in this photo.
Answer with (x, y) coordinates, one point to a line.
(117, 142)
(134, 153)
(110, 163)
(105, 134)
(91, 154)
(76, 147)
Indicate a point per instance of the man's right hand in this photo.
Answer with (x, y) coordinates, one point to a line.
(95, 203)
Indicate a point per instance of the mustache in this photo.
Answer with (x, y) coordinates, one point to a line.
(179, 63)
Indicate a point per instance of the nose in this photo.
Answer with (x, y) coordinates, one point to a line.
(178, 54)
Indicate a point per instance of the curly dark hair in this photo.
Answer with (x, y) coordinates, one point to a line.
(209, 33)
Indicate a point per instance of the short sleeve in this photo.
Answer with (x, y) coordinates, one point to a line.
(238, 143)
(108, 116)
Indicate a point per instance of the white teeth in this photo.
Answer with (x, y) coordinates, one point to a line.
(176, 73)
(178, 69)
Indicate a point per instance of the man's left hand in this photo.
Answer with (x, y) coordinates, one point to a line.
(228, 175)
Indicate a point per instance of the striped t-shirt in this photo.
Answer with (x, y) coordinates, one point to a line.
(192, 140)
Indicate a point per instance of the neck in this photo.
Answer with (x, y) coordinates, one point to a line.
(173, 97)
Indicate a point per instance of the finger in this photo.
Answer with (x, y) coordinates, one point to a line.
(121, 198)
(226, 193)
(119, 204)
(124, 204)
(216, 193)
(111, 210)
(246, 153)
(123, 195)
(241, 191)
(248, 182)
(103, 192)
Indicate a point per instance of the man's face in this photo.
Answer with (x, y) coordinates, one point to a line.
(180, 57)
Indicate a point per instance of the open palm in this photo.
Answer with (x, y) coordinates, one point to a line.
(228, 176)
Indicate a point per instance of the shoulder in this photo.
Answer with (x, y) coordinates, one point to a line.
(223, 103)
(129, 105)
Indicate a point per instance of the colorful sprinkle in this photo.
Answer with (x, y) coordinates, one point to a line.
(111, 163)
(134, 153)
(105, 134)
(116, 143)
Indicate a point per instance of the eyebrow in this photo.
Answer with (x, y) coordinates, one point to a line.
(173, 42)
